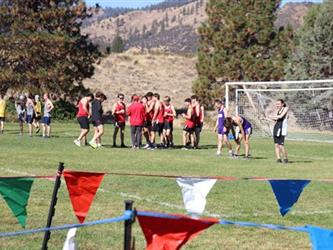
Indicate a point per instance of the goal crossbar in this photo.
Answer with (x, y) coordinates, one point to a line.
(305, 82)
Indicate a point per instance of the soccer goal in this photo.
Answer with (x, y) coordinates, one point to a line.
(310, 104)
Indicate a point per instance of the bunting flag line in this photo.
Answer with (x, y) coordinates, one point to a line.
(82, 187)
(16, 192)
(194, 193)
(171, 232)
(287, 192)
(321, 239)
(69, 242)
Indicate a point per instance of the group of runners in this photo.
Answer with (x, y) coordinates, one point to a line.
(29, 111)
(150, 119)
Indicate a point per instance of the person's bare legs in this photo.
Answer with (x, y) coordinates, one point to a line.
(247, 145)
(122, 136)
(219, 144)
(115, 133)
(283, 152)
(277, 151)
(83, 135)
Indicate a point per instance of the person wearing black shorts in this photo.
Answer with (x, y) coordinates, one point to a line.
(169, 116)
(280, 131)
(97, 120)
(83, 115)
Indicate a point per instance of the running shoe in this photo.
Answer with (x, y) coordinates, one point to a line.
(93, 144)
(77, 143)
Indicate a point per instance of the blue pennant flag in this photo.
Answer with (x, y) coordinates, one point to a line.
(287, 192)
(321, 239)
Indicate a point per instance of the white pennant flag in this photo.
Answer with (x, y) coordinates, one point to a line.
(194, 192)
(69, 243)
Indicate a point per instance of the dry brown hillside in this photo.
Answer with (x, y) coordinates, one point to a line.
(173, 27)
(138, 73)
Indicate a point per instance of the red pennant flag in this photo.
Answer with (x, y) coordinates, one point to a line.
(82, 187)
(171, 233)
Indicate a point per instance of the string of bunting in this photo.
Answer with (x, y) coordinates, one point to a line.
(82, 188)
(177, 230)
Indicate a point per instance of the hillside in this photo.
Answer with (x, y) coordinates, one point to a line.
(133, 72)
(171, 27)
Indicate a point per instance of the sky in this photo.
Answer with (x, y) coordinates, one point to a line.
(143, 3)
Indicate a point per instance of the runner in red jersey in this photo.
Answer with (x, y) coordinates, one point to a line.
(148, 102)
(169, 116)
(119, 113)
(158, 119)
(188, 130)
(83, 115)
(136, 113)
(200, 116)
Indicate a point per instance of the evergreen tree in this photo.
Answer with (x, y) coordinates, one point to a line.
(41, 47)
(117, 45)
(239, 43)
(312, 57)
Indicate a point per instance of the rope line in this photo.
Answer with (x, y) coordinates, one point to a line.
(220, 178)
(225, 222)
(126, 216)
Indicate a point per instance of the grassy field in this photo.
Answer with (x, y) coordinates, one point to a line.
(233, 200)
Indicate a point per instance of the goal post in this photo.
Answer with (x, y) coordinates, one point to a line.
(310, 104)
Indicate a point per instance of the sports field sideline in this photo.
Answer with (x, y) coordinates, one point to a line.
(251, 201)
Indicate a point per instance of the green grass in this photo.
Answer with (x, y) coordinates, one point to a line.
(233, 200)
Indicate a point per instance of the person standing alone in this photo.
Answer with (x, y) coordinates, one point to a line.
(48, 107)
(2, 112)
(280, 130)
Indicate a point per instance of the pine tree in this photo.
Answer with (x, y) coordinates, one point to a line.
(117, 45)
(312, 57)
(239, 43)
(41, 47)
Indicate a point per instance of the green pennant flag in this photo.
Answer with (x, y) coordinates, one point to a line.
(16, 193)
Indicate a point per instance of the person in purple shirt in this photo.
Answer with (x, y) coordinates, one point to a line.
(222, 133)
(245, 131)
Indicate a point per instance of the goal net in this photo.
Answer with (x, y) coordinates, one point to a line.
(310, 104)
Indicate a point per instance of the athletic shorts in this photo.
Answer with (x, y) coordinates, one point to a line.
(37, 117)
(120, 125)
(158, 127)
(46, 120)
(20, 119)
(279, 140)
(221, 131)
(84, 122)
(2, 119)
(97, 123)
(187, 129)
(248, 131)
(168, 126)
(29, 119)
(198, 128)
(147, 124)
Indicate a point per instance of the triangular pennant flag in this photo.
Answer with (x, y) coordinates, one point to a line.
(70, 243)
(16, 193)
(171, 233)
(321, 239)
(194, 193)
(82, 187)
(287, 192)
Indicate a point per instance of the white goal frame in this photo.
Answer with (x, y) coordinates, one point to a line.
(273, 90)
(309, 83)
